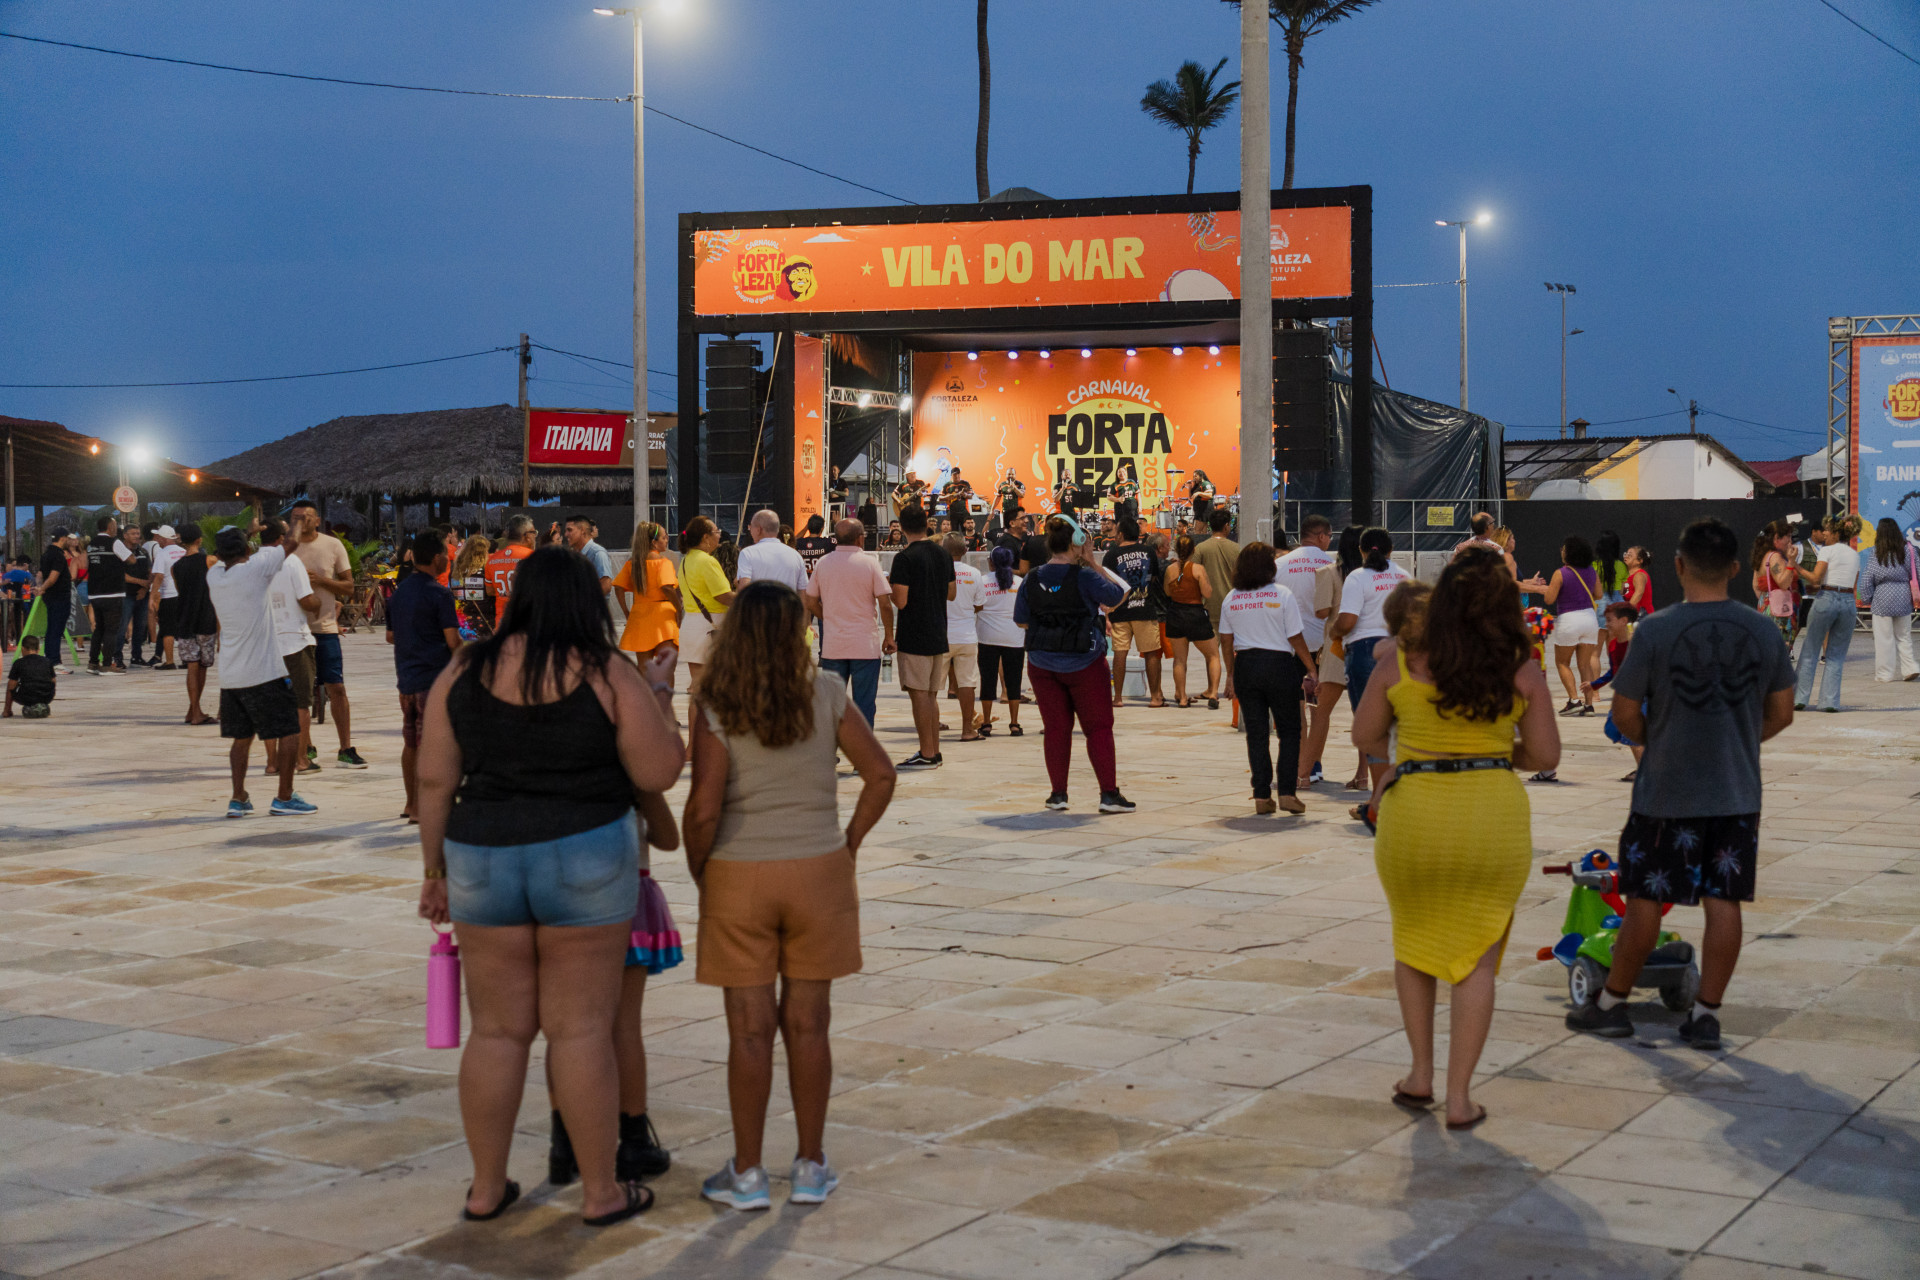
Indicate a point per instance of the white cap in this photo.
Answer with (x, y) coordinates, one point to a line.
(165, 531)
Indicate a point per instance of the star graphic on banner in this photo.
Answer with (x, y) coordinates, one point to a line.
(866, 268)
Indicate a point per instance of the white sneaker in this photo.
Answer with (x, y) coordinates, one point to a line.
(747, 1190)
(812, 1183)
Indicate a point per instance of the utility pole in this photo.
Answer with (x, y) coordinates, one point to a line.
(642, 488)
(1256, 279)
(1693, 412)
(526, 358)
(1480, 219)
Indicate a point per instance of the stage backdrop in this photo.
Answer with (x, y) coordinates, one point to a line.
(1078, 415)
(1886, 431)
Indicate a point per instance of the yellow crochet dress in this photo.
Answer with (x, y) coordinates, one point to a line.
(1453, 849)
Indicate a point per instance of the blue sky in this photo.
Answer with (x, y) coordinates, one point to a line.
(1716, 178)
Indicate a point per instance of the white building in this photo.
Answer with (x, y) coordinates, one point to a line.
(1628, 468)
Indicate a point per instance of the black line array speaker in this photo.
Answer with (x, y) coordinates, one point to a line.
(1302, 399)
(733, 420)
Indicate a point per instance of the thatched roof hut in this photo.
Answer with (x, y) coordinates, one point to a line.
(436, 453)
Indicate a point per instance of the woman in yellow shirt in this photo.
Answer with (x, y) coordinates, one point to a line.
(1455, 832)
(649, 595)
(705, 593)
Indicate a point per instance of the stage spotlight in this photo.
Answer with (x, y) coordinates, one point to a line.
(864, 400)
(1132, 352)
(1213, 350)
(906, 403)
(1045, 354)
(1179, 351)
(973, 355)
(1085, 352)
(1013, 355)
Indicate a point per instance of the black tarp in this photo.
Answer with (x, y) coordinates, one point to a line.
(1421, 449)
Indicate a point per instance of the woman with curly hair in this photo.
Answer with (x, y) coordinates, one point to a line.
(1455, 832)
(775, 871)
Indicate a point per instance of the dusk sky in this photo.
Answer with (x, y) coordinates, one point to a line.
(1716, 177)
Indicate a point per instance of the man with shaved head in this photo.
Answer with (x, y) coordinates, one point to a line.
(845, 591)
(769, 558)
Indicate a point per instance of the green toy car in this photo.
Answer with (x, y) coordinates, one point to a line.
(1593, 921)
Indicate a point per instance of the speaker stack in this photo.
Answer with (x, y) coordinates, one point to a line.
(1302, 399)
(732, 420)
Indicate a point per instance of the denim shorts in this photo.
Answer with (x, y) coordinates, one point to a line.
(328, 667)
(1359, 668)
(592, 878)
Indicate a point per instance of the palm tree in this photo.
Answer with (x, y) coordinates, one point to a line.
(1191, 103)
(986, 88)
(1298, 20)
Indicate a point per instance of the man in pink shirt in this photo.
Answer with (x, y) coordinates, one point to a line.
(845, 591)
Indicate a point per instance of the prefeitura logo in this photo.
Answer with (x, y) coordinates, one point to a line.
(763, 271)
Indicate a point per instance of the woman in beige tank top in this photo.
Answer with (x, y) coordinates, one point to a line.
(775, 869)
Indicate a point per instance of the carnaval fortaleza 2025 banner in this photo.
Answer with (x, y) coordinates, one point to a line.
(1078, 416)
(1018, 262)
(1886, 430)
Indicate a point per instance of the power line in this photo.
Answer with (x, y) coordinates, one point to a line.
(1882, 39)
(1610, 422)
(618, 364)
(469, 93)
(222, 382)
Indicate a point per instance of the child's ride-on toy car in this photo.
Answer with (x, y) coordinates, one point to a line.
(1593, 920)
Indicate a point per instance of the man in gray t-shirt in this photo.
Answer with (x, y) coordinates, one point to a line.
(1705, 682)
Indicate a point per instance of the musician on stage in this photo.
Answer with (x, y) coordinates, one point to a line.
(1126, 490)
(1011, 491)
(1067, 496)
(1200, 493)
(954, 497)
(908, 492)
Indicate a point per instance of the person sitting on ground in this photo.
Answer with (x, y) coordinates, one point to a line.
(30, 681)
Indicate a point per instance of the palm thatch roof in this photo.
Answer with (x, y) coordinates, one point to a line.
(435, 453)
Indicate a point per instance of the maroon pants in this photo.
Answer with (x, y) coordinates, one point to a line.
(1087, 693)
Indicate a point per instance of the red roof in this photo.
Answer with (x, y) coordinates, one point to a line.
(1778, 474)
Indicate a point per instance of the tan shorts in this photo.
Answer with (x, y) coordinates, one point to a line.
(300, 669)
(964, 662)
(1124, 634)
(794, 918)
(1332, 670)
(926, 672)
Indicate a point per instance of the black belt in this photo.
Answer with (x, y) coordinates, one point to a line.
(1847, 590)
(1467, 764)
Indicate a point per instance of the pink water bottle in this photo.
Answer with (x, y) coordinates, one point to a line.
(443, 993)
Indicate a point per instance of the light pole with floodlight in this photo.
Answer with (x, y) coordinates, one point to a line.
(1478, 220)
(1563, 290)
(642, 482)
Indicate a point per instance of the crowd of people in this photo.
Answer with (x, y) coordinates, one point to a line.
(538, 748)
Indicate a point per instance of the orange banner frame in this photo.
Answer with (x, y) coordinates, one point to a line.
(809, 428)
(1016, 262)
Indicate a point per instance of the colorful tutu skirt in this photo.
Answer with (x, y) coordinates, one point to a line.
(655, 944)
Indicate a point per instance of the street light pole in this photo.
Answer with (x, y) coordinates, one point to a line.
(1563, 290)
(642, 483)
(1481, 220)
(1256, 280)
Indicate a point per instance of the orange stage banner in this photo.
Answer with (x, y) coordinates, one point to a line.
(1078, 415)
(1022, 262)
(809, 428)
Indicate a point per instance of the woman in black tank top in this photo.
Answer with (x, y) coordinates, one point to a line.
(535, 744)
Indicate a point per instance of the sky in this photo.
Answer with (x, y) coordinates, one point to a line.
(1715, 177)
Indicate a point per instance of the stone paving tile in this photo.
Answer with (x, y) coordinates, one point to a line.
(1157, 1045)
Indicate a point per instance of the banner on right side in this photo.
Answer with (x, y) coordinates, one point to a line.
(1884, 435)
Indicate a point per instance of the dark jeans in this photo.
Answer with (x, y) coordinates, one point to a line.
(133, 627)
(105, 645)
(1001, 664)
(863, 680)
(59, 609)
(1267, 683)
(1088, 694)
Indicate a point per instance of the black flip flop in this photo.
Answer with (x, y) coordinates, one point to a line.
(639, 1200)
(512, 1194)
(1015, 731)
(1462, 1128)
(1412, 1101)
(1213, 704)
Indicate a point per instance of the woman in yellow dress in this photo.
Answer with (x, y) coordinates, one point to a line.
(1455, 832)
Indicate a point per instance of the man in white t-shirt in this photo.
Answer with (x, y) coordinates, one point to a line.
(1830, 619)
(1361, 623)
(162, 604)
(1299, 572)
(769, 558)
(254, 698)
(293, 602)
(1269, 668)
(963, 633)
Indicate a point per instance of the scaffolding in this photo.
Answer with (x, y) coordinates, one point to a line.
(1842, 333)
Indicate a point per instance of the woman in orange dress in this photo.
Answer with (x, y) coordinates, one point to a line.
(649, 595)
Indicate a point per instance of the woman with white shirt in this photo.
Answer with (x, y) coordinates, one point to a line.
(1361, 624)
(1003, 645)
(1263, 644)
(1831, 618)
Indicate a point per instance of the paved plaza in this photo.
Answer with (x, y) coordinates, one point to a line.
(1157, 1046)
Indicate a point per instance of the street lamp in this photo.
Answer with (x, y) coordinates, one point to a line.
(1563, 290)
(1480, 219)
(642, 484)
(1693, 409)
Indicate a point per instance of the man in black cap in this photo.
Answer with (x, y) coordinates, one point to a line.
(255, 698)
(56, 594)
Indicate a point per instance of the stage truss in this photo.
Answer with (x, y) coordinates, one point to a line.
(1841, 333)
